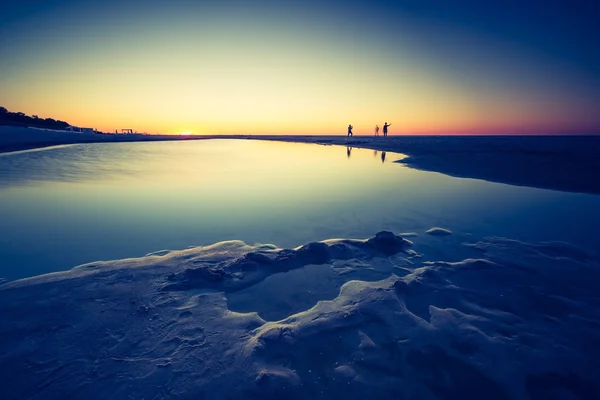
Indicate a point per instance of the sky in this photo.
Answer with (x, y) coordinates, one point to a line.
(305, 67)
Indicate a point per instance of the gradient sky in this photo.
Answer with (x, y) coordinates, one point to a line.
(252, 67)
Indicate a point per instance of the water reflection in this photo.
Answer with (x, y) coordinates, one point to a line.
(186, 164)
(64, 207)
(69, 206)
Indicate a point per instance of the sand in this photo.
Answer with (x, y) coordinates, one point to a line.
(334, 319)
(517, 320)
(565, 163)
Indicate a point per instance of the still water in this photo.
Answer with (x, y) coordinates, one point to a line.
(71, 205)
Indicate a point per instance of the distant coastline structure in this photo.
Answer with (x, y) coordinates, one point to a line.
(126, 131)
(72, 128)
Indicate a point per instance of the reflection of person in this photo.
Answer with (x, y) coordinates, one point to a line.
(383, 156)
(376, 130)
(348, 150)
(374, 153)
(350, 130)
(385, 126)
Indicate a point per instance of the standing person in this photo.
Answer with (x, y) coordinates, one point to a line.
(385, 126)
(376, 130)
(350, 130)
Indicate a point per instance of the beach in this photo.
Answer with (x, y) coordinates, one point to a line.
(298, 267)
(567, 163)
(299, 200)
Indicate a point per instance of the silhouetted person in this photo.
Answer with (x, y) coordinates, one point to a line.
(376, 130)
(348, 150)
(350, 130)
(375, 153)
(382, 157)
(385, 126)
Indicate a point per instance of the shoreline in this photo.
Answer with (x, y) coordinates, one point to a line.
(343, 317)
(105, 138)
(564, 163)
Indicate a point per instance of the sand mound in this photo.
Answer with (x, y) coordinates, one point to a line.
(516, 320)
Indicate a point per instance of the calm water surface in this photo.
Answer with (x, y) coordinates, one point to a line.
(75, 204)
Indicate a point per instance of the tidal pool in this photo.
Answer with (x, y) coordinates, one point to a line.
(70, 205)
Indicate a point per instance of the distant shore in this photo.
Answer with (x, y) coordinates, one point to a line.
(566, 163)
(13, 138)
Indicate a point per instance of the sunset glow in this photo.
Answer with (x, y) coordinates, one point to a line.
(297, 68)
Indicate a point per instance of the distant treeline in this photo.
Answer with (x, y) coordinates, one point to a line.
(20, 119)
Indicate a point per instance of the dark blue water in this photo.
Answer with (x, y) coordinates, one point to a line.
(71, 205)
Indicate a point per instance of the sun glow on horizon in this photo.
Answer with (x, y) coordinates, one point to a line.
(291, 68)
